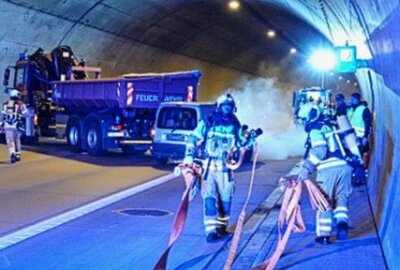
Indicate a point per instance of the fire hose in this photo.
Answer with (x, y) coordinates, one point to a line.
(290, 214)
(240, 222)
(191, 174)
(193, 178)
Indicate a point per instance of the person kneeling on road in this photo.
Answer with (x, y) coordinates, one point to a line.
(333, 173)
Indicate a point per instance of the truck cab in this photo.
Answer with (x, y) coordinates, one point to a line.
(32, 76)
(175, 121)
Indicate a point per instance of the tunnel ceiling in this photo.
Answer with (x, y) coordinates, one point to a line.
(207, 30)
(204, 30)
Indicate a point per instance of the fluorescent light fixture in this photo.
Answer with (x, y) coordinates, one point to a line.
(323, 60)
(271, 33)
(234, 5)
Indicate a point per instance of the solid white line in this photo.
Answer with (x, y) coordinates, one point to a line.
(30, 231)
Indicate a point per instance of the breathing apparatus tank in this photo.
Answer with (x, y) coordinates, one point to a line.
(348, 136)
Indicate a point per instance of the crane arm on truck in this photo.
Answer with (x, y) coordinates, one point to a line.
(59, 64)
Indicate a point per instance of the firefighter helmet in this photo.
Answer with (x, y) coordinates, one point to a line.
(309, 112)
(225, 102)
(15, 93)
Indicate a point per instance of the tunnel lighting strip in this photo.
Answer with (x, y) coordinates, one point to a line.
(43, 226)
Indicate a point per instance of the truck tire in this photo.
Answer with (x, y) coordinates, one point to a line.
(94, 139)
(74, 135)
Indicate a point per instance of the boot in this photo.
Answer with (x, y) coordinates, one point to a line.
(18, 157)
(212, 237)
(222, 232)
(13, 158)
(323, 240)
(342, 230)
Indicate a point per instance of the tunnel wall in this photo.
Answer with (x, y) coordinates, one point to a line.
(384, 177)
(380, 87)
(28, 29)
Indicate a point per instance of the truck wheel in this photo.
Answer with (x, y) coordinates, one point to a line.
(74, 136)
(94, 139)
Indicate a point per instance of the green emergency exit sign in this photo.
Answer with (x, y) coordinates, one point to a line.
(346, 59)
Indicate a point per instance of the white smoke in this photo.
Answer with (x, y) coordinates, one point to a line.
(261, 104)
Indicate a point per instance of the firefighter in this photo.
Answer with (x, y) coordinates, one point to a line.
(13, 112)
(361, 120)
(341, 108)
(323, 155)
(212, 141)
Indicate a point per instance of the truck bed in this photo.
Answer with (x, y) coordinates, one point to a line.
(131, 91)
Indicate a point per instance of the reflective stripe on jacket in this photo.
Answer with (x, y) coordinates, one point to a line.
(356, 120)
(324, 152)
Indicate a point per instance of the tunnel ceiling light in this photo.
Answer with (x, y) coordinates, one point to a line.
(323, 60)
(293, 51)
(271, 33)
(234, 5)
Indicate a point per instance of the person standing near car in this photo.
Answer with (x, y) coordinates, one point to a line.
(212, 141)
(13, 111)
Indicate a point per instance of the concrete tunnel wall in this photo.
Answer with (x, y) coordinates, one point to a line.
(27, 30)
(381, 90)
(380, 87)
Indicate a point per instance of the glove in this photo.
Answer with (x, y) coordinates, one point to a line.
(188, 160)
(303, 174)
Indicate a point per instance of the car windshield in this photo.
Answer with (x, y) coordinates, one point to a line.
(177, 118)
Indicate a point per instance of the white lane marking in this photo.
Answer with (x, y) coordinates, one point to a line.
(45, 225)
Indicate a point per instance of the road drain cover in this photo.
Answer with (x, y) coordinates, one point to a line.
(143, 212)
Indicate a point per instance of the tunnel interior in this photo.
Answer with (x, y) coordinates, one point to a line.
(235, 52)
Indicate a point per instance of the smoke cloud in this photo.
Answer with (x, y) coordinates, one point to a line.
(262, 104)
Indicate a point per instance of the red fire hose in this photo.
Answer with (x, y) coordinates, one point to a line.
(190, 173)
(291, 215)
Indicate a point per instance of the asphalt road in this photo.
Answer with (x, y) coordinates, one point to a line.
(50, 179)
(128, 234)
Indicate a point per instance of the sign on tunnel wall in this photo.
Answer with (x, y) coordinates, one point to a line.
(346, 59)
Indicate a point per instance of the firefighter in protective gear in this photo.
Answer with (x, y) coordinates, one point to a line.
(333, 173)
(360, 119)
(211, 141)
(341, 108)
(13, 112)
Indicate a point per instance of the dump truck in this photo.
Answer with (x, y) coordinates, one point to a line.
(94, 114)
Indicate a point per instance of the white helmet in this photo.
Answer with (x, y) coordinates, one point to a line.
(309, 112)
(15, 93)
(226, 100)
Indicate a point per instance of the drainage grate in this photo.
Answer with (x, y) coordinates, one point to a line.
(143, 212)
